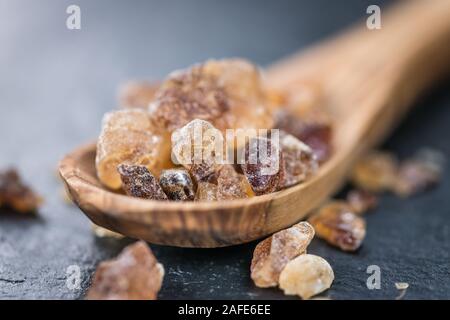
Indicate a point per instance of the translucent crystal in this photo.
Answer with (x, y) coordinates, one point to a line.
(299, 161)
(177, 185)
(314, 129)
(134, 275)
(337, 224)
(206, 192)
(14, 193)
(227, 93)
(204, 173)
(361, 201)
(232, 185)
(137, 94)
(375, 172)
(306, 276)
(272, 254)
(262, 165)
(199, 147)
(137, 181)
(128, 136)
(419, 173)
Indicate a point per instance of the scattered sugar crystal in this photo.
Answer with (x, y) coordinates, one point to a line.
(134, 275)
(361, 201)
(15, 194)
(272, 254)
(419, 173)
(375, 172)
(337, 224)
(306, 276)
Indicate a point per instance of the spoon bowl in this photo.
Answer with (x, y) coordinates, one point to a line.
(191, 224)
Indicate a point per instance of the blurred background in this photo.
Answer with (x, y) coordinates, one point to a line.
(56, 84)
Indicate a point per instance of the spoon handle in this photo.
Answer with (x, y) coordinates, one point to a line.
(369, 78)
(413, 44)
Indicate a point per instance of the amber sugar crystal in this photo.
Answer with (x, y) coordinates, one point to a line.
(419, 173)
(227, 93)
(206, 192)
(129, 136)
(199, 147)
(337, 224)
(15, 194)
(299, 160)
(138, 181)
(272, 254)
(263, 165)
(202, 118)
(232, 185)
(177, 185)
(375, 172)
(313, 128)
(134, 275)
(361, 201)
(306, 276)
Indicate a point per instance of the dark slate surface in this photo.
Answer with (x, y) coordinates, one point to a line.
(55, 84)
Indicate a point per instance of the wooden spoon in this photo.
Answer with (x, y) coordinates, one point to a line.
(369, 78)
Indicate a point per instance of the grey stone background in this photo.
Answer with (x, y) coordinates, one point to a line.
(55, 85)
